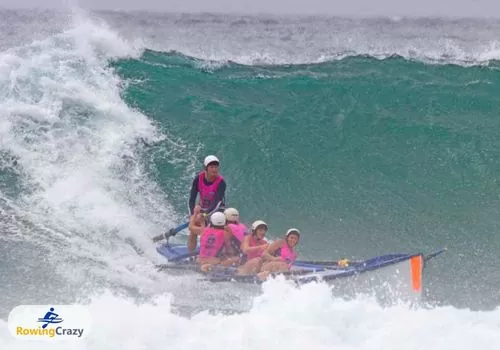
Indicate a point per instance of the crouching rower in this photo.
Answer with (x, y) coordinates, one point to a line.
(236, 230)
(252, 247)
(280, 255)
(197, 222)
(212, 243)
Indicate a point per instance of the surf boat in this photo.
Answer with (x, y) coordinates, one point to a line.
(407, 268)
(403, 272)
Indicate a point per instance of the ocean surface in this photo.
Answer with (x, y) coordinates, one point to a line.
(372, 136)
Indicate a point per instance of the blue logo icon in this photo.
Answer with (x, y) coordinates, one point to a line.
(50, 317)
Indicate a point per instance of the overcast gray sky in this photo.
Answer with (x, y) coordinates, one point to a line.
(469, 8)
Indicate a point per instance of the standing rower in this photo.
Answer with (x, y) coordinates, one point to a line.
(210, 185)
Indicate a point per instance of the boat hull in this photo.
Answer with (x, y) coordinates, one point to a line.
(387, 277)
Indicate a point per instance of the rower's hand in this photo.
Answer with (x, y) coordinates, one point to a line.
(197, 209)
(264, 246)
(343, 262)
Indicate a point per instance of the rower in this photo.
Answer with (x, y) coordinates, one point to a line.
(280, 255)
(235, 229)
(212, 243)
(197, 224)
(210, 185)
(253, 246)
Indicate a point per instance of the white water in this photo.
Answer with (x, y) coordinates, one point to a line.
(283, 317)
(83, 189)
(271, 39)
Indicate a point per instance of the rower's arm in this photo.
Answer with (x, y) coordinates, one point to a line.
(245, 246)
(220, 194)
(192, 195)
(268, 253)
(193, 227)
(228, 234)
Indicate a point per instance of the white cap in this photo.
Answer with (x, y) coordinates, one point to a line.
(210, 159)
(293, 230)
(218, 219)
(232, 214)
(257, 224)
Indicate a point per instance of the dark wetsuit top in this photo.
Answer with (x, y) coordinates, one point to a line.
(219, 195)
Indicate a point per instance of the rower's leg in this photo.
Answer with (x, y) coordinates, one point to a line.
(230, 261)
(250, 267)
(275, 266)
(272, 267)
(263, 275)
(192, 242)
(206, 263)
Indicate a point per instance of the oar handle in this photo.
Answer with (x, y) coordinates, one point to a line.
(173, 231)
(216, 208)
